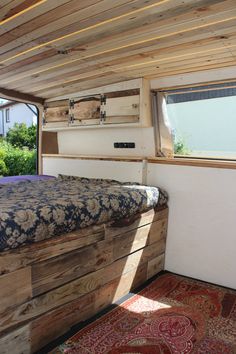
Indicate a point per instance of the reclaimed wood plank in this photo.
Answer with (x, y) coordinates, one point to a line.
(64, 268)
(132, 241)
(59, 270)
(57, 322)
(15, 289)
(89, 108)
(28, 255)
(155, 265)
(17, 342)
(73, 290)
(138, 220)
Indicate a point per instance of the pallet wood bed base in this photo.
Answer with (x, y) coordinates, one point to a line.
(47, 287)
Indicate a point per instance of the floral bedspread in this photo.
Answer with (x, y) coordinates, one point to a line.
(33, 211)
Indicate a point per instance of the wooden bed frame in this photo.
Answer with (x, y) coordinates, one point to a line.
(47, 287)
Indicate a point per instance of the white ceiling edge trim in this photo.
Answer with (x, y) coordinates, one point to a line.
(194, 78)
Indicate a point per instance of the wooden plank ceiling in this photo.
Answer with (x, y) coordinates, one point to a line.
(50, 48)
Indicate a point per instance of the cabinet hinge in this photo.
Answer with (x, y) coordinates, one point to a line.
(72, 104)
(103, 99)
(71, 118)
(102, 116)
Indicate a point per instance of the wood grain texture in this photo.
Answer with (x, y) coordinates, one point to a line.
(16, 288)
(49, 143)
(38, 252)
(17, 342)
(60, 47)
(46, 288)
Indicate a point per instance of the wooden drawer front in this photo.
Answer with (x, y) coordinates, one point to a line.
(121, 109)
(87, 109)
(56, 112)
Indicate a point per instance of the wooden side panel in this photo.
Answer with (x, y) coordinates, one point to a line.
(155, 265)
(17, 342)
(59, 321)
(71, 291)
(130, 241)
(59, 270)
(15, 288)
(49, 143)
(122, 226)
(158, 231)
(74, 277)
(27, 255)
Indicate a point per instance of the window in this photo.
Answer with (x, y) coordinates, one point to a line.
(203, 121)
(7, 115)
(19, 142)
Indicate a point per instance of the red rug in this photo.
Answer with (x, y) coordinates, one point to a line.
(172, 315)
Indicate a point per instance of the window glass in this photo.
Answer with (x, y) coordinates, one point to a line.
(7, 115)
(204, 122)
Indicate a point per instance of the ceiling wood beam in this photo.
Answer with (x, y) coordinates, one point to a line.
(19, 96)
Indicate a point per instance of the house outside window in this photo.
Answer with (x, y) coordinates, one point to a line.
(7, 115)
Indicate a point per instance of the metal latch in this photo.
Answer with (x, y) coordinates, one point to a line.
(103, 99)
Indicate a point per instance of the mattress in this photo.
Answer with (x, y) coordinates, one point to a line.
(35, 210)
(15, 179)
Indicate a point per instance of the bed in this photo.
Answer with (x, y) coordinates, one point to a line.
(69, 247)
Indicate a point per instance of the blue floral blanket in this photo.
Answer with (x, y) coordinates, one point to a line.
(33, 211)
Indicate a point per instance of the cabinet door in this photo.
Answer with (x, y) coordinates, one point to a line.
(124, 109)
(86, 111)
(56, 114)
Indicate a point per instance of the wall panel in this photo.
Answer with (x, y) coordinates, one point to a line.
(201, 239)
(122, 171)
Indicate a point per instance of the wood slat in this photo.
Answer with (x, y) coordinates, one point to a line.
(28, 255)
(47, 296)
(16, 288)
(34, 12)
(60, 47)
(71, 291)
(141, 26)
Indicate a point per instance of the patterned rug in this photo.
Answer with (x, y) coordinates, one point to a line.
(172, 315)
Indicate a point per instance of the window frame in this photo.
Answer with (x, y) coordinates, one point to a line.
(38, 134)
(7, 115)
(198, 161)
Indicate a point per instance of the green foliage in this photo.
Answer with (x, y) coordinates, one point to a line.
(15, 161)
(180, 147)
(22, 136)
(3, 168)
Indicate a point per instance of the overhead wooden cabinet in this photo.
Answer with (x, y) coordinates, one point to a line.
(56, 114)
(121, 107)
(115, 107)
(85, 111)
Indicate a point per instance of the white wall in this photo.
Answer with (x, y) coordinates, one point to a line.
(122, 171)
(101, 141)
(202, 221)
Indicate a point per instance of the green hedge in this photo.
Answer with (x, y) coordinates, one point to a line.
(15, 161)
(22, 136)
